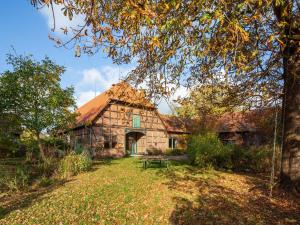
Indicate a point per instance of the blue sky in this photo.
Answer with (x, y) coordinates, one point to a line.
(27, 30)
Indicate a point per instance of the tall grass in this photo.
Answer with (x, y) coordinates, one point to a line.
(73, 164)
(15, 180)
(20, 175)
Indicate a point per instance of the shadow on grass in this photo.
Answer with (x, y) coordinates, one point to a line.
(98, 163)
(16, 201)
(163, 165)
(106, 161)
(11, 201)
(226, 198)
(222, 206)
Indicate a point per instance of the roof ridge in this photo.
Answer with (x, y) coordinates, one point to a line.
(121, 91)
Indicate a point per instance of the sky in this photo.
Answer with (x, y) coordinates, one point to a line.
(26, 30)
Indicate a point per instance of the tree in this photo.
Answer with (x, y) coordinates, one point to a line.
(204, 101)
(32, 93)
(10, 130)
(255, 43)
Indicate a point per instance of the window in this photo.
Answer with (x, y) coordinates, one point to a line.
(172, 143)
(78, 144)
(107, 141)
(136, 121)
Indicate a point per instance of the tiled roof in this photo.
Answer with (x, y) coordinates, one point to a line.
(240, 121)
(176, 124)
(248, 121)
(119, 92)
(235, 122)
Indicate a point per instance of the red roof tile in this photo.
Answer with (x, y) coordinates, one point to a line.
(176, 124)
(119, 92)
(240, 121)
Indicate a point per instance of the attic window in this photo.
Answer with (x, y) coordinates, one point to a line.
(136, 121)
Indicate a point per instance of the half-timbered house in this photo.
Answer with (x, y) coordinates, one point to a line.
(122, 121)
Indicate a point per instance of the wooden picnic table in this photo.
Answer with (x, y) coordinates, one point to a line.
(148, 160)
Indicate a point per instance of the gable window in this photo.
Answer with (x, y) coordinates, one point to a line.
(172, 143)
(136, 121)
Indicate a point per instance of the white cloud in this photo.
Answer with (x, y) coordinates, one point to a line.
(180, 92)
(163, 107)
(96, 81)
(167, 106)
(91, 76)
(85, 96)
(103, 78)
(61, 21)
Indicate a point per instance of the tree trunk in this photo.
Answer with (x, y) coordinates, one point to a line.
(290, 165)
(42, 153)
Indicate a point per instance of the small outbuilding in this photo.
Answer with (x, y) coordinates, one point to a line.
(250, 128)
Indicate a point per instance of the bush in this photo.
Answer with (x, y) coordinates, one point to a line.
(20, 174)
(252, 159)
(17, 180)
(79, 148)
(207, 150)
(55, 147)
(45, 181)
(176, 151)
(31, 146)
(46, 169)
(73, 164)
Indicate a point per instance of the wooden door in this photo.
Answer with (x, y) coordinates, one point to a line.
(132, 143)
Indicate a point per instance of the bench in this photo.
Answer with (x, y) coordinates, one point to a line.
(147, 161)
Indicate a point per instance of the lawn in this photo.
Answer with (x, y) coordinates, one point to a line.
(121, 192)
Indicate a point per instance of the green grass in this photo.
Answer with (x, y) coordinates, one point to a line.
(121, 192)
(117, 192)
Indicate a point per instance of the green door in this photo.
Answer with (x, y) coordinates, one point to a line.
(134, 147)
(132, 144)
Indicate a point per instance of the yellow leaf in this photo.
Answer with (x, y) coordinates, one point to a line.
(155, 42)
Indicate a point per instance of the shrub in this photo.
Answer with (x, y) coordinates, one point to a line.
(22, 176)
(9, 146)
(55, 147)
(2, 180)
(45, 181)
(31, 145)
(79, 148)
(46, 169)
(73, 164)
(256, 159)
(17, 180)
(176, 151)
(207, 150)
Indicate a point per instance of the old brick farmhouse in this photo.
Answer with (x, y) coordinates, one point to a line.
(122, 121)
